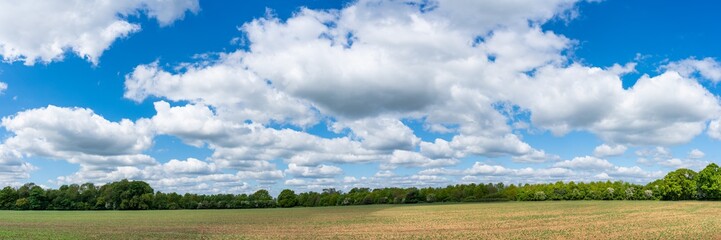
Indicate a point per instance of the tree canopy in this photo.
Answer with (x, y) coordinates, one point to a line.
(681, 184)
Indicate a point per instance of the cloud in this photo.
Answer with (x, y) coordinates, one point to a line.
(33, 31)
(367, 85)
(3, 87)
(13, 169)
(714, 129)
(696, 154)
(228, 86)
(415, 159)
(320, 171)
(190, 166)
(585, 163)
(80, 136)
(578, 169)
(707, 68)
(665, 110)
(663, 157)
(605, 150)
(385, 134)
(479, 73)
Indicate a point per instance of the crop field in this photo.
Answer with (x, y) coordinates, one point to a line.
(514, 220)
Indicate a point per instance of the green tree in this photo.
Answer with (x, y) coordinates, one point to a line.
(708, 182)
(679, 185)
(126, 195)
(287, 198)
(22, 204)
(261, 199)
(37, 199)
(8, 197)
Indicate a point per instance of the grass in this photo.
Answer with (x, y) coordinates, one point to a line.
(508, 220)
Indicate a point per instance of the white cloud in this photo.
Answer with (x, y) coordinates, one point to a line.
(13, 169)
(663, 157)
(585, 163)
(635, 172)
(577, 169)
(368, 85)
(190, 166)
(479, 72)
(666, 109)
(415, 159)
(675, 163)
(484, 169)
(605, 150)
(312, 184)
(33, 31)
(320, 171)
(234, 91)
(385, 134)
(707, 68)
(3, 87)
(662, 110)
(657, 152)
(714, 129)
(80, 136)
(696, 154)
(193, 123)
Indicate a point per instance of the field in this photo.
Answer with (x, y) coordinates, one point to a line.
(514, 220)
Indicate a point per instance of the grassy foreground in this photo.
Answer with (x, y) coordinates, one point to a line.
(564, 220)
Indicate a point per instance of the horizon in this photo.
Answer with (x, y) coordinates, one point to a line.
(206, 97)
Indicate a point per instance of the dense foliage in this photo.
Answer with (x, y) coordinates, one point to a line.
(682, 184)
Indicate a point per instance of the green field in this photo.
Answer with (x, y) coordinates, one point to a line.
(565, 220)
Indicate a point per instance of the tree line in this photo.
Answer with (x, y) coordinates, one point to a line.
(682, 184)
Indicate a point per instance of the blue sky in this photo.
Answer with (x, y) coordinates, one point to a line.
(209, 96)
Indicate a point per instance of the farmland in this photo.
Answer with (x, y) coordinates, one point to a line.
(553, 219)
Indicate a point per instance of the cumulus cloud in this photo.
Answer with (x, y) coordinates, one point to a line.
(3, 87)
(605, 150)
(577, 169)
(32, 31)
(190, 166)
(663, 157)
(663, 110)
(367, 82)
(80, 136)
(714, 129)
(228, 86)
(13, 169)
(467, 69)
(415, 159)
(320, 171)
(707, 68)
(695, 154)
(478, 72)
(381, 133)
(585, 163)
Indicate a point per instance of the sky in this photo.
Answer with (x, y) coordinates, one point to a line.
(235, 96)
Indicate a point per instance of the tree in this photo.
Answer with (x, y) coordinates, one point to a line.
(412, 196)
(287, 198)
(36, 198)
(261, 199)
(22, 204)
(127, 195)
(709, 182)
(8, 197)
(679, 185)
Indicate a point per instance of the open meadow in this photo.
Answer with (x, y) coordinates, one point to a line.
(514, 220)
